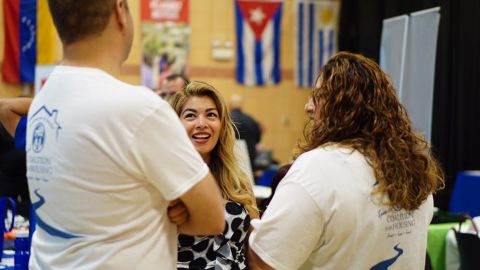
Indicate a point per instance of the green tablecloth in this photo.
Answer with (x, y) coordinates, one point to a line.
(436, 244)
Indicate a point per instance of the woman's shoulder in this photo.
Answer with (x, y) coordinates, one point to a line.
(328, 154)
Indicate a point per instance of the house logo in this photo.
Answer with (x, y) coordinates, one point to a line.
(38, 139)
(46, 129)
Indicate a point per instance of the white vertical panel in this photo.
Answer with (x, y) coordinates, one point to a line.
(393, 48)
(419, 72)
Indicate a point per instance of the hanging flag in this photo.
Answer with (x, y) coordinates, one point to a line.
(29, 32)
(316, 38)
(258, 41)
(45, 34)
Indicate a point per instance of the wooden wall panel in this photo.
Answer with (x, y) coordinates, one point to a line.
(279, 108)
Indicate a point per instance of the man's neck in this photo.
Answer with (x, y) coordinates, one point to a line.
(92, 53)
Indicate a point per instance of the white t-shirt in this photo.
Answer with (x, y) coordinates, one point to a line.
(103, 160)
(323, 216)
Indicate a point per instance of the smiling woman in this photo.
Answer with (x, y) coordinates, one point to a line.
(201, 120)
(204, 114)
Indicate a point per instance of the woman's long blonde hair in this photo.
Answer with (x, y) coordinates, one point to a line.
(356, 106)
(232, 180)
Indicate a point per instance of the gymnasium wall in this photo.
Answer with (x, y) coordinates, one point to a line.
(278, 108)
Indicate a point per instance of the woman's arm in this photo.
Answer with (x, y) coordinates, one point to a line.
(11, 110)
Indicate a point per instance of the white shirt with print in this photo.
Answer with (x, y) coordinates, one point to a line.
(104, 158)
(323, 216)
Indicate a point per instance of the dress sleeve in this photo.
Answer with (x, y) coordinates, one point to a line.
(165, 155)
(289, 230)
(229, 246)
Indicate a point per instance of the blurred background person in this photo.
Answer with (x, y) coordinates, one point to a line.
(13, 179)
(171, 84)
(247, 128)
(13, 117)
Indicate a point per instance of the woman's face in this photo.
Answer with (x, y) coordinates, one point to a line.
(310, 108)
(201, 119)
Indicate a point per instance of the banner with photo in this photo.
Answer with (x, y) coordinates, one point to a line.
(165, 40)
(316, 38)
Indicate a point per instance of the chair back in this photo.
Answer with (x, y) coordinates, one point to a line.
(466, 194)
(468, 247)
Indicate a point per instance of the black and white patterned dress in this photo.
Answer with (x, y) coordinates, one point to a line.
(223, 251)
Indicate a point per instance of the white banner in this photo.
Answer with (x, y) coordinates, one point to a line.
(393, 48)
(419, 73)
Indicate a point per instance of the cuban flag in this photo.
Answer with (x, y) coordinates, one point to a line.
(258, 41)
(316, 35)
(29, 32)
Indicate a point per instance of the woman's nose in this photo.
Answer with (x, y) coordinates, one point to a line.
(309, 108)
(201, 122)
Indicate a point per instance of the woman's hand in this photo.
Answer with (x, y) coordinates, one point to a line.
(177, 212)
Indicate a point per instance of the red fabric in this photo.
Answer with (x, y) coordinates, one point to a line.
(11, 53)
(266, 9)
(159, 11)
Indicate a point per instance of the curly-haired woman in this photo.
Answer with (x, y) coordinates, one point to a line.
(360, 194)
(204, 114)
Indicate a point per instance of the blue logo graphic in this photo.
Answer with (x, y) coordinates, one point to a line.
(43, 225)
(383, 265)
(38, 139)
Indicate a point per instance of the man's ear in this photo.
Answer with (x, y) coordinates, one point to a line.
(121, 12)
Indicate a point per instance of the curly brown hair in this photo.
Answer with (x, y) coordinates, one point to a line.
(356, 106)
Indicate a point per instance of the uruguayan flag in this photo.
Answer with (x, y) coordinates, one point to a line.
(258, 41)
(316, 35)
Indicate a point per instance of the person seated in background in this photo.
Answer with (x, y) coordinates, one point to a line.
(13, 117)
(13, 180)
(360, 194)
(13, 126)
(171, 84)
(204, 114)
(246, 127)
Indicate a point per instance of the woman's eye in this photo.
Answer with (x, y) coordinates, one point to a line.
(212, 115)
(189, 116)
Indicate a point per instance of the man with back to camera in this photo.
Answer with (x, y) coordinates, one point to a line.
(100, 175)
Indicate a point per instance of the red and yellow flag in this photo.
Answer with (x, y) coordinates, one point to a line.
(29, 39)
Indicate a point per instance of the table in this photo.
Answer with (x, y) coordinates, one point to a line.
(261, 192)
(7, 260)
(436, 244)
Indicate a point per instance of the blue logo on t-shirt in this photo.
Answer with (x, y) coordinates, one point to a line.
(45, 226)
(38, 139)
(45, 126)
(383, 265)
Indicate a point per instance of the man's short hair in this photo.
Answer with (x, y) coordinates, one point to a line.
(175, 76)
(77, 19)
